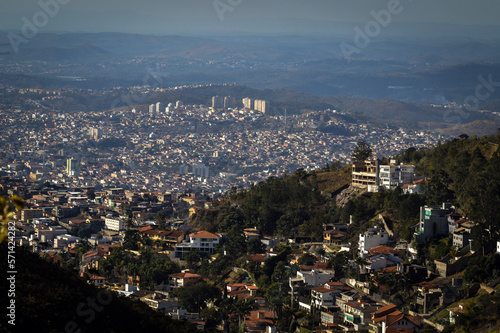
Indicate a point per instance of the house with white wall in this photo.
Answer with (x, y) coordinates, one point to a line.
(203, 241)
(371, 238)
(433, 222)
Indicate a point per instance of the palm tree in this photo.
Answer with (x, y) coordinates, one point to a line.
(360, 262)
(320, 252)
(403, 282)
(242, 308)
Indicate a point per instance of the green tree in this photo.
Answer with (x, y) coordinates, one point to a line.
(307, 259)
(255, 246)
(362, 151)
(195, 296)
(6, 213)
(339, 262)
(194, 259)
(131, 239)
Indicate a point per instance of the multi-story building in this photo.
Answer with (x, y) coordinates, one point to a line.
(433, 222)
(365, 174)
(247, 103)
(182, 279)
(95, 133)
(47, 234)
(201, 170)
(462, 235)
(73, 167)
(372, 175)
(31, 214)
(203, 241)
(159, 107)
(229, 102)
(261, 105)
(62, 241)
(324, 295)
(357, 315)
(394, 175)
(183, 169)
(115, 224)
(315, 277)
(371, 238)
(217, 102)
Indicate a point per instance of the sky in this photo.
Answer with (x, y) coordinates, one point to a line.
(226, 16)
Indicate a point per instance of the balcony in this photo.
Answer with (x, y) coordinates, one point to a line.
(348, 317)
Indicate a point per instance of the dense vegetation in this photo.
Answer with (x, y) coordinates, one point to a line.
(462, 171)
(153, 268)
(465, 172)
(290, 206)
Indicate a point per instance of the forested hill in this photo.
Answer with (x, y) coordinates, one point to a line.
(49, 298)
(293, 205)
(463, 171)
(466, 172)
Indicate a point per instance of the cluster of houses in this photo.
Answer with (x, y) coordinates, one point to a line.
(350, 305)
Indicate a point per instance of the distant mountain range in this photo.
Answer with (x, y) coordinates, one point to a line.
(303, 69)
(418, 70)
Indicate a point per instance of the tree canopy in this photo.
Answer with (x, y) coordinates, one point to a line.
(362, 151)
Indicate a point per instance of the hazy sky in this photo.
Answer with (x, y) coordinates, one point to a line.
(201, 16)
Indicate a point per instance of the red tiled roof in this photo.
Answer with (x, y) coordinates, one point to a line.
(185, 275)
(203, 234)
(257, 257)
(394, 317)
(399, 330)
(384, 249)
(335, 283)
(385, 310)
(321, 289)
(392, 269)
(385, 318)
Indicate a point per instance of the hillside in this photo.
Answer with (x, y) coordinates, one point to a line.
(478, 127)
(332, 181)
(54, 299)
(299, 204)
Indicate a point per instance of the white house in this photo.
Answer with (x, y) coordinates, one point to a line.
(203, 241)
(47, 234)
(371, 238)
(394, 175)
(378, 261)
(315, 277)
(321, 296)
(325, 294)
(65, 240)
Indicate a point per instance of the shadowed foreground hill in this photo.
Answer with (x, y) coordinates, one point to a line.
(51, 299)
